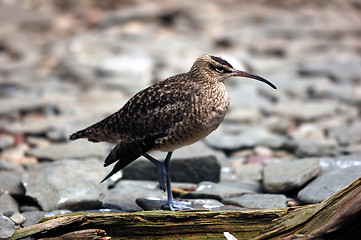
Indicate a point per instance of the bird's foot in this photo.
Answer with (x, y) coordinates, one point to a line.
(176, 206)
(162, 177)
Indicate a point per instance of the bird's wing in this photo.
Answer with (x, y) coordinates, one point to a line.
(127, 152)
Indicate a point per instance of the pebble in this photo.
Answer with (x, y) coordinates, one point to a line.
(288, 175)
(18, 218)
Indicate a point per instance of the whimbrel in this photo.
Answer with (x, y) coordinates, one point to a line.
(173, 113)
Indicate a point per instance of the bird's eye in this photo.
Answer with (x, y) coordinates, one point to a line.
(219, 69)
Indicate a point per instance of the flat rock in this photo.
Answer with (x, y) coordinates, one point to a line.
(77, 149)
(32, 218)
(347, 134)
(328, 183)
(316, 147)
(124, 194)
(8, 206)
(346, 161)
(6, 141)
(15, 105)
(194, 164)
(305, 111)
(249, 171)
(7, 227)
(284, 176)
(219, 191)
(66, 184)
(263, 201)
(10, 166)
(232, 137)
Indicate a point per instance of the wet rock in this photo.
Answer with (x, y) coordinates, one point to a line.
(32, 218)
(8, 206)
(232, 137)
(77, 149)
(7, 227)
(194, 163)
(10, 181)
(66, 184)
(124, 194)
(219, 191)
(328, 183)
(284, 176)
(264, 201)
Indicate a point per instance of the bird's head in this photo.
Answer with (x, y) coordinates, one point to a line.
(215, 68)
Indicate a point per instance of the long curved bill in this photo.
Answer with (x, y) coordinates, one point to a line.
(238, 73)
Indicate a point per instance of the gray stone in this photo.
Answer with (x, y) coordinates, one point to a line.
(124, 194)
(6, 141)
(8, 206)
(17, 218)
(32, 218)
(305, 111)
(328, 183)
(10, 166)
(223, 190)
(7, 227)
(316, 147)
(232, 137)
(10, 181)
(15, 105)
(249, 171)
(66, 184)
(76, 149)
(284, 176)
(346, 134)
(194, 163)
(264, 201)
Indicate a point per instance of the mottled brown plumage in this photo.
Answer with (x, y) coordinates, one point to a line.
(168, 115)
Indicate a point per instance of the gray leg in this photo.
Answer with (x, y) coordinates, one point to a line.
(171, 204)
(162, 173)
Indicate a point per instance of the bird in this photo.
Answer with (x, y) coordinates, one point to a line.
(168, 115)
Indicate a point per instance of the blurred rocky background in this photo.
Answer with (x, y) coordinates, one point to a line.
(67, 64)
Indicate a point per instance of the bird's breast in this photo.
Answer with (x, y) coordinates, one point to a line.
(206, 111)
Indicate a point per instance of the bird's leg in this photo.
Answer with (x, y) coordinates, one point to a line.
(162, 173)
(171, 204)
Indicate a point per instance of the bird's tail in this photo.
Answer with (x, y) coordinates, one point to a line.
(78, 134)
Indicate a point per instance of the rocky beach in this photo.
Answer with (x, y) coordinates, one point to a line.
(65, 65)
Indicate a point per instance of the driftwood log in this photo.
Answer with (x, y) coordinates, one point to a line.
(337, 217)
